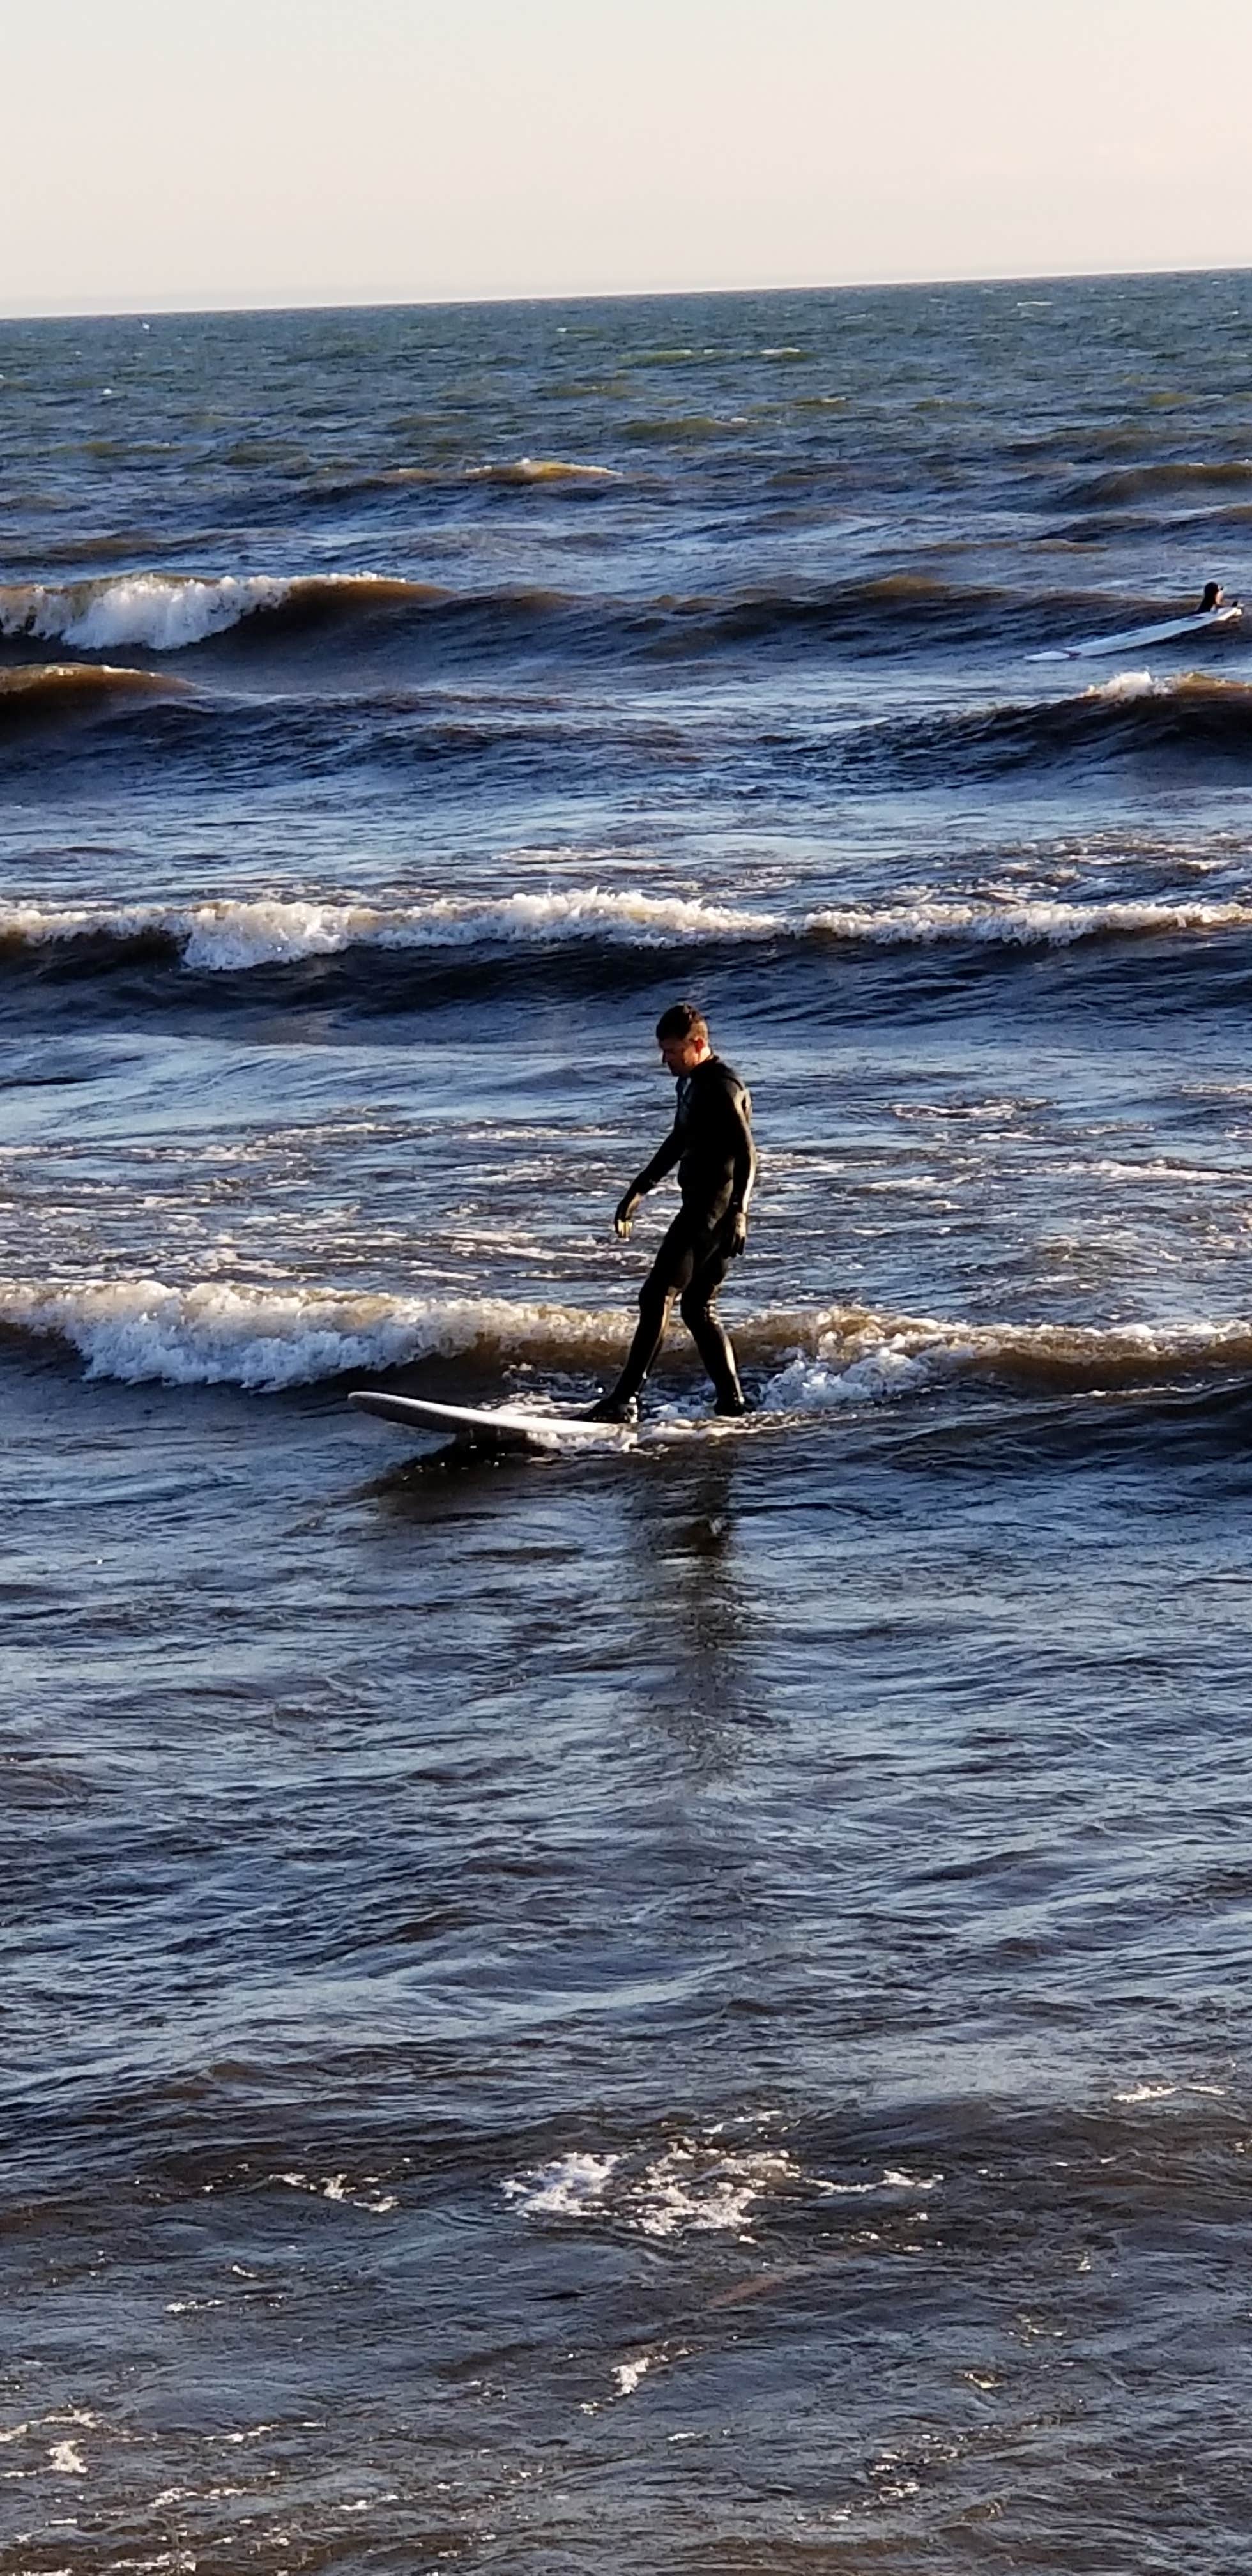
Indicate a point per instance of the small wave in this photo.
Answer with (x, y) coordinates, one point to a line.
(1130, 713)
(868, 613)
(168, 611)
(37, 691)
(541, 469)
(1163, 479)
(227, 937)
(144, 1330)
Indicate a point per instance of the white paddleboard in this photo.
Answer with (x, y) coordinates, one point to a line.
(1134, 638)
(494, 1426)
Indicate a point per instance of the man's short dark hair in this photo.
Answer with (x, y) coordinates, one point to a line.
(682, 1020)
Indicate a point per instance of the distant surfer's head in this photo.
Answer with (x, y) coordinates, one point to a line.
(1212, 596)
(682, 1034)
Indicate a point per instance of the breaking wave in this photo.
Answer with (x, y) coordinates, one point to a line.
(225, 936)
(168, 611)
(143, 1330)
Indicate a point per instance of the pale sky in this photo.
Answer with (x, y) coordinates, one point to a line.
(226, 152)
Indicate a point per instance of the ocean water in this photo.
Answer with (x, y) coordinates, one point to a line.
(687, 2011)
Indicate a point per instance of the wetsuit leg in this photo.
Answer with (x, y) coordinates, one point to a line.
(707, 1329)
(668, 1278)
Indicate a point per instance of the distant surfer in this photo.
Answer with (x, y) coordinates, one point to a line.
(1213, 597)
(711, 1142)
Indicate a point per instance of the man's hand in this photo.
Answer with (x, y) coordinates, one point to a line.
(738, 1233)
(624, 1216)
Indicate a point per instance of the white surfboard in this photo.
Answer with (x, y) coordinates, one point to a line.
(1133, 639)
(494, 1426)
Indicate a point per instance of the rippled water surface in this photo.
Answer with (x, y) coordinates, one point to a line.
(685, 2009)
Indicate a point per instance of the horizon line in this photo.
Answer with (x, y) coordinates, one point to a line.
(130, 310)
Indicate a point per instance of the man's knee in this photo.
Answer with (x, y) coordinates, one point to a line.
(694, 1308)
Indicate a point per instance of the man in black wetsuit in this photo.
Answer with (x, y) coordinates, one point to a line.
(711, 1142)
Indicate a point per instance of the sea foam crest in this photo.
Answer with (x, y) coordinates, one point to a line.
(229, 936)
(222, 937)
(1040, 922)
(217, 1333)
(165, 611)
(214, 1334)
(853, 1357)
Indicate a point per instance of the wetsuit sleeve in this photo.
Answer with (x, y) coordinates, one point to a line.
(663, 1161)
(739, 1107)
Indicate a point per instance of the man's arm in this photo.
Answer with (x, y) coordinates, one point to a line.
(745, 1171)
(663, 1161)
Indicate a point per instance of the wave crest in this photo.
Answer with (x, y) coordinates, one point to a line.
(39, 690)
(225, 937)
(145, 1330)
(166, 612)
(1165, 477)
(213, 1334)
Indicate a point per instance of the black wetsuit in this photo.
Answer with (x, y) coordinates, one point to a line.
(711, 1142)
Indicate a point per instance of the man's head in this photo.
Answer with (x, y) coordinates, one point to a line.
(682, 1034)
(1212, 595)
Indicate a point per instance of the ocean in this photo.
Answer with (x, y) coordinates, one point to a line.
(684, 2011)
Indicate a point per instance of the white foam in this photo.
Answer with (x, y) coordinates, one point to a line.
(892, 1369)
(230, 936)
(338, 2187)
(67, 2460)
(140, 1330)
(682, 2193)
(565, 2189)
(1130, 684)
(857, 1357)
(629, 2373)
(224, 937)
(1148, 2092)
(692, 2189)
(165, 611)
(1044, 923)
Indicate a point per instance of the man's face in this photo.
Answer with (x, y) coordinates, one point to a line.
(681, 1055)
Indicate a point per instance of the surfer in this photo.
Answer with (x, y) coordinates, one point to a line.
(711, 1142)
(1213, 597)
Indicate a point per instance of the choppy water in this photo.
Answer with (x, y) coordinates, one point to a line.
(688, 2011)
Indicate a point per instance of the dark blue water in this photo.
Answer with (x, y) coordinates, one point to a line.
(683, 2010)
